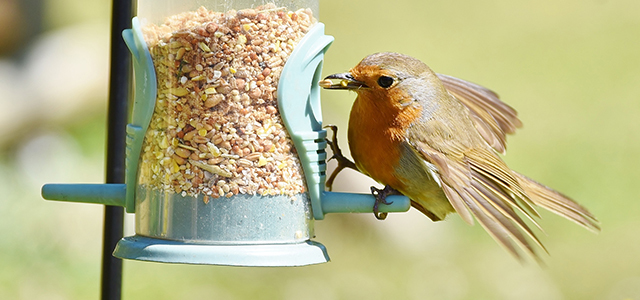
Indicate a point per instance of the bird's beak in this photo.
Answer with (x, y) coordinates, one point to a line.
(347, 82)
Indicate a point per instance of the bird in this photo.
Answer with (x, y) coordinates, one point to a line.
(438, 139)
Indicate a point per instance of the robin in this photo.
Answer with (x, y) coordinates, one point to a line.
(436, 139)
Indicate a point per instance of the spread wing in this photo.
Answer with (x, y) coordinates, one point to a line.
(492, 118)
(479, 185)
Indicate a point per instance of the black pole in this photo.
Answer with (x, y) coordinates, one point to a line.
(119, 91)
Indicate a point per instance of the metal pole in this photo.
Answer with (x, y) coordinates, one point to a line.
(119, 90)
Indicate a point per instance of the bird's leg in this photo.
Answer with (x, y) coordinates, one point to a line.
(343, 162)
(381, 198)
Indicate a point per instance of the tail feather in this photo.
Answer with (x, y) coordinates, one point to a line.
(557, 203)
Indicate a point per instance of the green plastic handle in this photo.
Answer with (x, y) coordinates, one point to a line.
(143, 105)
(335, 202)
(108, 194)
(299, 104)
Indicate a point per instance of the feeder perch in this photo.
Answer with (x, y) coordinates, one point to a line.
(209, 220)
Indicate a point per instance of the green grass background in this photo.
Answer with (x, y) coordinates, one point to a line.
(572, 70)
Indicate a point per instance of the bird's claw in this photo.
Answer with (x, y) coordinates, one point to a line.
(343, 162)
(381, 198)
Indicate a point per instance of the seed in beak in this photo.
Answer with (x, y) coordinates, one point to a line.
(325, 83)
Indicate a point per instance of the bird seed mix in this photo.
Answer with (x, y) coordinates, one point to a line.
(216, 129)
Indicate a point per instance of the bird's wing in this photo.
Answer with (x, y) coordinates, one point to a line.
(492, 118)
(557, 203)
(478, 184)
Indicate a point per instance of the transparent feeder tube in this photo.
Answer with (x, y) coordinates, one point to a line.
(217, 164)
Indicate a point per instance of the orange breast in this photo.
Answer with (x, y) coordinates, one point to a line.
(376, 132)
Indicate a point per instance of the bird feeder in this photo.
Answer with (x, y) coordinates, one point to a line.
(225, 149)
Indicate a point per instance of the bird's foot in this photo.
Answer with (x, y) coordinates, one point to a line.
(381, 198)
(343, 162)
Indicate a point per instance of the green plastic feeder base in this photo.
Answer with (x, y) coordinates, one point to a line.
(263, 255)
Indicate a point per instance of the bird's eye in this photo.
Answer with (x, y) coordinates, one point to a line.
(385, 81)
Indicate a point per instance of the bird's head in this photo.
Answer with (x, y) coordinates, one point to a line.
(397, 78)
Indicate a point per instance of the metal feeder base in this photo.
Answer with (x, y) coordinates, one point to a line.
(262, 255)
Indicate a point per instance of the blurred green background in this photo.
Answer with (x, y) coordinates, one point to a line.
(571, 68)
